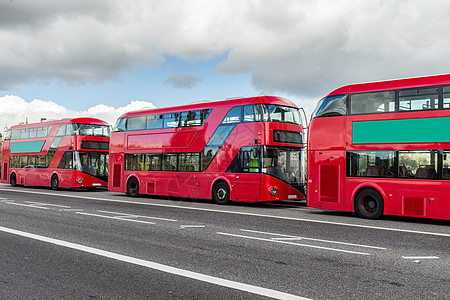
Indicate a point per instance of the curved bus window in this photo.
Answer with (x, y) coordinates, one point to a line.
(368, 103)
(331, 106)
(120, 125)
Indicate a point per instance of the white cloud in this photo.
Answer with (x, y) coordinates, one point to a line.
(15, 110)
(300, 47)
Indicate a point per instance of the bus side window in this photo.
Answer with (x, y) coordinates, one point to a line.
(249, 114)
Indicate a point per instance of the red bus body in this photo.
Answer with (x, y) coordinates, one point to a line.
(381, 148)
(201, 154)
(68, 153)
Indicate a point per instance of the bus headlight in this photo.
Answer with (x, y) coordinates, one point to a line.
(273, 190)
(80, 180)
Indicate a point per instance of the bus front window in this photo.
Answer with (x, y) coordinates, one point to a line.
(92, 163)
(282, 163)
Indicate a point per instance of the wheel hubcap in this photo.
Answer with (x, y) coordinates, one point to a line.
(369, 205)
(221, 193)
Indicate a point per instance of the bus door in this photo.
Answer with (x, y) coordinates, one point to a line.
(246, 184)
(328, 189)
(117, 161)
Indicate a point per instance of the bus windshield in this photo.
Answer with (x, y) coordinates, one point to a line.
(284, 114)
(282, 163)
(91, 130)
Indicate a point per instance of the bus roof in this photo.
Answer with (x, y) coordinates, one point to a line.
(91, 121)
(392, 84)
(213, 104)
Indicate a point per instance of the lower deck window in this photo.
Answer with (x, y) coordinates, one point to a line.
(418, 164)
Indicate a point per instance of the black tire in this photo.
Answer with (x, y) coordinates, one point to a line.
(133, 187)
(221, 193)
(369, 204)
(13, 180)
(54, 182)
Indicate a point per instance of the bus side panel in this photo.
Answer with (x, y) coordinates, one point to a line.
(444, 205)
(329, 133)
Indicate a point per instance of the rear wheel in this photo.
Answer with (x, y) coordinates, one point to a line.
(13, 180)
(369, 204)
(133, 187)
(54, 183)
(221, 193)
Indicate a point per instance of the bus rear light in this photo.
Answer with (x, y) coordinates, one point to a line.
(80, 180)
(273, 190)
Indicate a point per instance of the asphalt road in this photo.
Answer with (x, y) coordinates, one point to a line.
(102, 245)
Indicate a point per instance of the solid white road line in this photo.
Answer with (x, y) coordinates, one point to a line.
(289, 243)
(135, 216)
(420, 257)
(192, 226)
(291, 237)
(27, 205)
(159, 267)
(115, 218)
(233, 212)
(46, 204)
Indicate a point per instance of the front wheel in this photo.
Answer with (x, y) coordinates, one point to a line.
(221, 193)
(133, 187)
(369, 204)
(54, 184)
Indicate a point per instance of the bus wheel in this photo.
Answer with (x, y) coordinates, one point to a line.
(221, 193)
(133, 187)
(54, 183)
(369, 204)
(13, 180)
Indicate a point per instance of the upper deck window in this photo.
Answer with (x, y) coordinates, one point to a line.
(331, 106)
(154, 121)
(233, 116)
(160, 121)
(446, 102)
(137, 123)
(369, 103)
(418, 99)
(172, 120)
(28, 133)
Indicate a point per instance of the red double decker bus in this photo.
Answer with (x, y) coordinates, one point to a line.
(68, 153)
(247, 149)
(382, 148)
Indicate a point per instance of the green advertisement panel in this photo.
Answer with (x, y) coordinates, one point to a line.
(402, 131)
(26, 147)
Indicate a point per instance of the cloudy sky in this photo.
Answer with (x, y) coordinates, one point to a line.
(101, 58)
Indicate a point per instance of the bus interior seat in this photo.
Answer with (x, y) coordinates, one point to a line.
(446, 173)
(402, 171)
(426, 172)
(376, 170)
